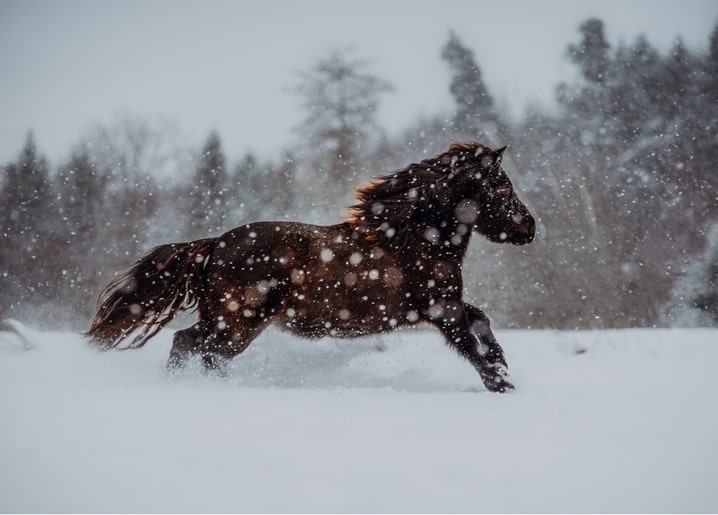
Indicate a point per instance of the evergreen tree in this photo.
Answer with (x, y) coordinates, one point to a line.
(712, 66)
(208, 191)
(680, 69)
(591, 53)
(285, 177)
(475, 117)
(263, 191)
(591, 56)
(250, 189)
(81, 189)
(26, 229)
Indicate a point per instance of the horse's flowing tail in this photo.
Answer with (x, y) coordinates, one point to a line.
(144, 299)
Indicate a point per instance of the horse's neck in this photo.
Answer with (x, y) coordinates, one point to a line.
(441, 237)
(445, 239)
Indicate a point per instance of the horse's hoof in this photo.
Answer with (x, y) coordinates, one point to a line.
(498, 384)
(214, 365)
(505, 387)
(176, 361)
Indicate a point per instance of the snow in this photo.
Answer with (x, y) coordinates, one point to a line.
(612, 421)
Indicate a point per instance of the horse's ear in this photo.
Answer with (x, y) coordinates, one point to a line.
(493, 158)
(498, 153)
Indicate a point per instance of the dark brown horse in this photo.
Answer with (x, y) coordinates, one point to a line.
(395, 262)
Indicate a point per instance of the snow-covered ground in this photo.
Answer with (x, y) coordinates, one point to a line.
(614, 421)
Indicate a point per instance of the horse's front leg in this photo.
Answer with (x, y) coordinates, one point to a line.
(481, 327)
(455, 325)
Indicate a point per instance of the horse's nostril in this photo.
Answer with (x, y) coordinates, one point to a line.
(529, 229)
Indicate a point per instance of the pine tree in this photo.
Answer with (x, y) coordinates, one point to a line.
(208, 191)
(81, 201)
(26, 228)
(82, 186)
(591, 54)
(285, 177)
(250, 185)
(475, 117)
(712, 65)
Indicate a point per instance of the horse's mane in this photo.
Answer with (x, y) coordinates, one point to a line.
(387, 204)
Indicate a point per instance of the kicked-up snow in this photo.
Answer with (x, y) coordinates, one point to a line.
(610, 421)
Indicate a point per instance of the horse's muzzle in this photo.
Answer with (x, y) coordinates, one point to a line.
(526, 231)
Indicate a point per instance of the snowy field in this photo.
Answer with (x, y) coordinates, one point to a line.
(614, 421)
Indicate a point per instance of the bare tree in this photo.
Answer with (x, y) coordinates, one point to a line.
(340, 100)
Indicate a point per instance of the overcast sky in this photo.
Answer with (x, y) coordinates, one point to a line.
(227, 65)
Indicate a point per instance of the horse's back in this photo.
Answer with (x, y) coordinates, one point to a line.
(277, 252)
(272, 242)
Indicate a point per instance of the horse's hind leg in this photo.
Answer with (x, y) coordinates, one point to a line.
(184, 344)
(192, 341)
(230, 341)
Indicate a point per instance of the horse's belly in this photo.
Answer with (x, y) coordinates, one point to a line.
(338, 325)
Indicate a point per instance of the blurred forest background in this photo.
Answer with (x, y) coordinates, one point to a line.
(622, 178)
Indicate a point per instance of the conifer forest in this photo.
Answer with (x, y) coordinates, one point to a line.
(621, 177)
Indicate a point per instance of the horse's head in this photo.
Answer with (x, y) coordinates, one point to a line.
(487, 200)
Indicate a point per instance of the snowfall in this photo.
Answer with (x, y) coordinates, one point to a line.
(600, 421)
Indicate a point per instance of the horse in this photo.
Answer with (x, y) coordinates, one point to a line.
(395, 262)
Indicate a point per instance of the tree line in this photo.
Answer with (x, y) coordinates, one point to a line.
(621, 177)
